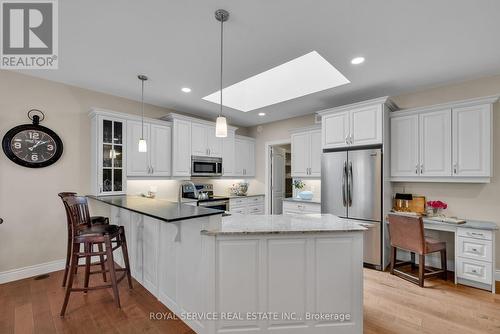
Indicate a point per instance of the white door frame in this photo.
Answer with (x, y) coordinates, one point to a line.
(267, 183)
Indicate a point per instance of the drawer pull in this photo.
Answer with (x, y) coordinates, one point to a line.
(474, 249)
(474, 271)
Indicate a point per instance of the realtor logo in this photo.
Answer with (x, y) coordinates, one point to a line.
(29, 34)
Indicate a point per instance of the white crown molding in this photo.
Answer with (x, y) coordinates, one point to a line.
(454, 104)
(244, 137)
(30, 271)
(172, 116)
(380, 100)
(129, 117)
(306, 129)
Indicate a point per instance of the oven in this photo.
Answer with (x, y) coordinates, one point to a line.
(222, 204)
(206, 166)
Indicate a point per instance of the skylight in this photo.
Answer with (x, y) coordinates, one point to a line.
(301, 76)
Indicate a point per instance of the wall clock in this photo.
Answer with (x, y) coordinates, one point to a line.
(32, 145)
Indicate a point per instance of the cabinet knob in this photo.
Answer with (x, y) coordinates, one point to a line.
(347, 139)
(454, 168)
(1, 220)
(422, 169)
(416, 169)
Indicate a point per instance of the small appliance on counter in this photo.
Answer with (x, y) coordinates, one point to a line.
(206, 196)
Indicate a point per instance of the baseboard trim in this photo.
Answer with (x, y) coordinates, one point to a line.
(30, 271)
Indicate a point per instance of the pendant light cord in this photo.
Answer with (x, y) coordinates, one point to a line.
(221, 60)
(142, 107)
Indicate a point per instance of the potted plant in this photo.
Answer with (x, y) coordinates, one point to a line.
(437, 207)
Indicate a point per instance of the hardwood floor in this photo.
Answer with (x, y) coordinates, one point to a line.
(392, 305)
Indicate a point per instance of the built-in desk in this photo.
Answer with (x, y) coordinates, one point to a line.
(473, 251)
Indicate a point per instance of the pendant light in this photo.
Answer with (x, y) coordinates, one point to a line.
(221, 124)
(143, 145)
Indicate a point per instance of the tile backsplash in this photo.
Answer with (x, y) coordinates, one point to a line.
(313, 185)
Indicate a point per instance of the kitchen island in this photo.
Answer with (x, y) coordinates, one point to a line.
(244, 273)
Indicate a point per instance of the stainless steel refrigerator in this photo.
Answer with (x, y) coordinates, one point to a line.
(351, 187)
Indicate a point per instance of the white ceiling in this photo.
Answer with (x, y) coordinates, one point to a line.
(408, 45)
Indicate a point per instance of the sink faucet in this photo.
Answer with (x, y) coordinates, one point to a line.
(186, 182)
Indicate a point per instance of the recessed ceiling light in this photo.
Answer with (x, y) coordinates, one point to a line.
(298, 77)
(186, 90)
(262, 114)
(358, 60)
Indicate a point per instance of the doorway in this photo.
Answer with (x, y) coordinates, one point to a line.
(279, 185)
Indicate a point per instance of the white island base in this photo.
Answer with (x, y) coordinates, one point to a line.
(264, 274)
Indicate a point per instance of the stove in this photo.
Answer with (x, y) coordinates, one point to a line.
(206, 196)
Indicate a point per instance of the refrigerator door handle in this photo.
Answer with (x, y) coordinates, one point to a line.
(349, 184)
(344, 175)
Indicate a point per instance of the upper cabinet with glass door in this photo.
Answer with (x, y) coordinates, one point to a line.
(108, 156)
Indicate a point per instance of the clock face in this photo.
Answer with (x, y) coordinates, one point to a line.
(32, 146)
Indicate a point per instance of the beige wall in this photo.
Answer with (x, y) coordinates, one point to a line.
(34, 229)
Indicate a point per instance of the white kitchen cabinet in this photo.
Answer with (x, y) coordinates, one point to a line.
(336, 130)
(435, 143)
(157, 160)
(228, 155)
(142, 234)
(204, 142)
(138, 163)
(150, 246)
(251, 205)
(161, 150)
(472, 148)
(444, 143)
(296, 207)
(306, 152)
(404, 146)
(475, 258)
(108, 153)
(357, 124)
(366, 125)
(199, 145)
(181, 147)
(244, 156)
(316, 151)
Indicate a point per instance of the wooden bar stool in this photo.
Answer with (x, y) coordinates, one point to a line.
(88, 235)
(407, 233)
(96, 220)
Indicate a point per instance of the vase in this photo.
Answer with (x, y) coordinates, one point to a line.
(436, 212)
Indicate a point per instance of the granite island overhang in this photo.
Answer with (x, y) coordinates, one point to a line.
(280, 274)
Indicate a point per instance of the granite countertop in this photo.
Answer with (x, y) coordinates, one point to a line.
(157, 208)
(469, 223)
(248, 195)
(300, 200)
(271, 224)
(475, 224)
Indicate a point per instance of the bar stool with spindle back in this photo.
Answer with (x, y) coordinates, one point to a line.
(96, 220)
(407, 233)
(88, 235)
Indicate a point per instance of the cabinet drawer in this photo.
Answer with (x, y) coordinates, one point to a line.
(256, 209)
(474, 270)
(477, 249)
(255, 200)
(301, 207)
(240, 210)
(473, 233)
(233, 202)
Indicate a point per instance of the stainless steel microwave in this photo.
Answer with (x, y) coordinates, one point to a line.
(206, 166)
